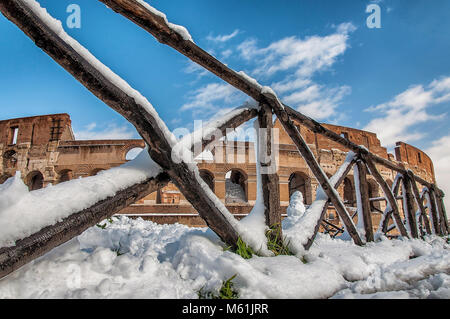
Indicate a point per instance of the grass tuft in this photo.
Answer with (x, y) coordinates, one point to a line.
(275, 242)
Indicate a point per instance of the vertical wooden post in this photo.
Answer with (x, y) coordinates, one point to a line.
(409, 209)
(363, 200)
(269, 177)
(443, 222)
(419, 203)
(433, 210)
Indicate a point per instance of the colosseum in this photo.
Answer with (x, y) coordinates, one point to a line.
(45, 151)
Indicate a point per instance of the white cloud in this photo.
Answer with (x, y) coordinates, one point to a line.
(408, 109)
(223, 38)
(440, 155)
(213, 97)
(301, 59)
(226, 53)
(110, 132)
(318, 101)
(304, 56)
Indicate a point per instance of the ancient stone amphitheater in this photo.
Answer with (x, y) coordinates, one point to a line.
(44, 150)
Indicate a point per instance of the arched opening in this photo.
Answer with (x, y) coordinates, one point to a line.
(235, 187)
(208, 178)
(4, 178)
(96, 171)
(35, 181)
(133, 153)
(373, 193)
(349, 193)
(10, 159)
(302, 183)
(65, 176)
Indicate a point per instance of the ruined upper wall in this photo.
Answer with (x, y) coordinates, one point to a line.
(414, 158)
(405, 154)
(36, 130)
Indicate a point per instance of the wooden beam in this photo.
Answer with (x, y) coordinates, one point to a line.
(363, 199)
(419, 203)
(147, 124)
(36, 245)
(443, 222)
(269, 177)
(408, 207)
(311, 161)
(326, 205)
(389, 196)
(433, 210)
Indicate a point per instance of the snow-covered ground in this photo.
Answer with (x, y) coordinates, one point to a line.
(139, 259)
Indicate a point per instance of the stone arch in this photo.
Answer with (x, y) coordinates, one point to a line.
(130, 146)
(373, 193)
(35, 180)
(236, 186)
(349, 192)
(4, 178)
(299, 181)
(10, 159)
(208, 178)
(65, 175)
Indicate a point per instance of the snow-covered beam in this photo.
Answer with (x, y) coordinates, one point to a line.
(321, 204)
(391, 200)
(419, 202)
(269, 179)
(41, 242)
(362, 198)
(49, 35)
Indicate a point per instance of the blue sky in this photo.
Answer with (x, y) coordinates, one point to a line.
(319, 56)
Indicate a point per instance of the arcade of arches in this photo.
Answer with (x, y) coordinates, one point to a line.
(45, 151)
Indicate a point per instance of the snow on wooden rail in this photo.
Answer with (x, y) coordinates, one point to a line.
(173, 158)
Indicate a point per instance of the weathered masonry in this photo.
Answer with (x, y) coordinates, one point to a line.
(44, 150)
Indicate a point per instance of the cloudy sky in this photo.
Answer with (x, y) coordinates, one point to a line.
(319, 56)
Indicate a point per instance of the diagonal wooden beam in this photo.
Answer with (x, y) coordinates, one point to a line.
(389, 196)
(326, 204)
(36, 245)
(408, 207)
(440, 211)
(419, 203)
(123, 99)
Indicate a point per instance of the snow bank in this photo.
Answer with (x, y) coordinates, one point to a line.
(139, 259)
(23, 213)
